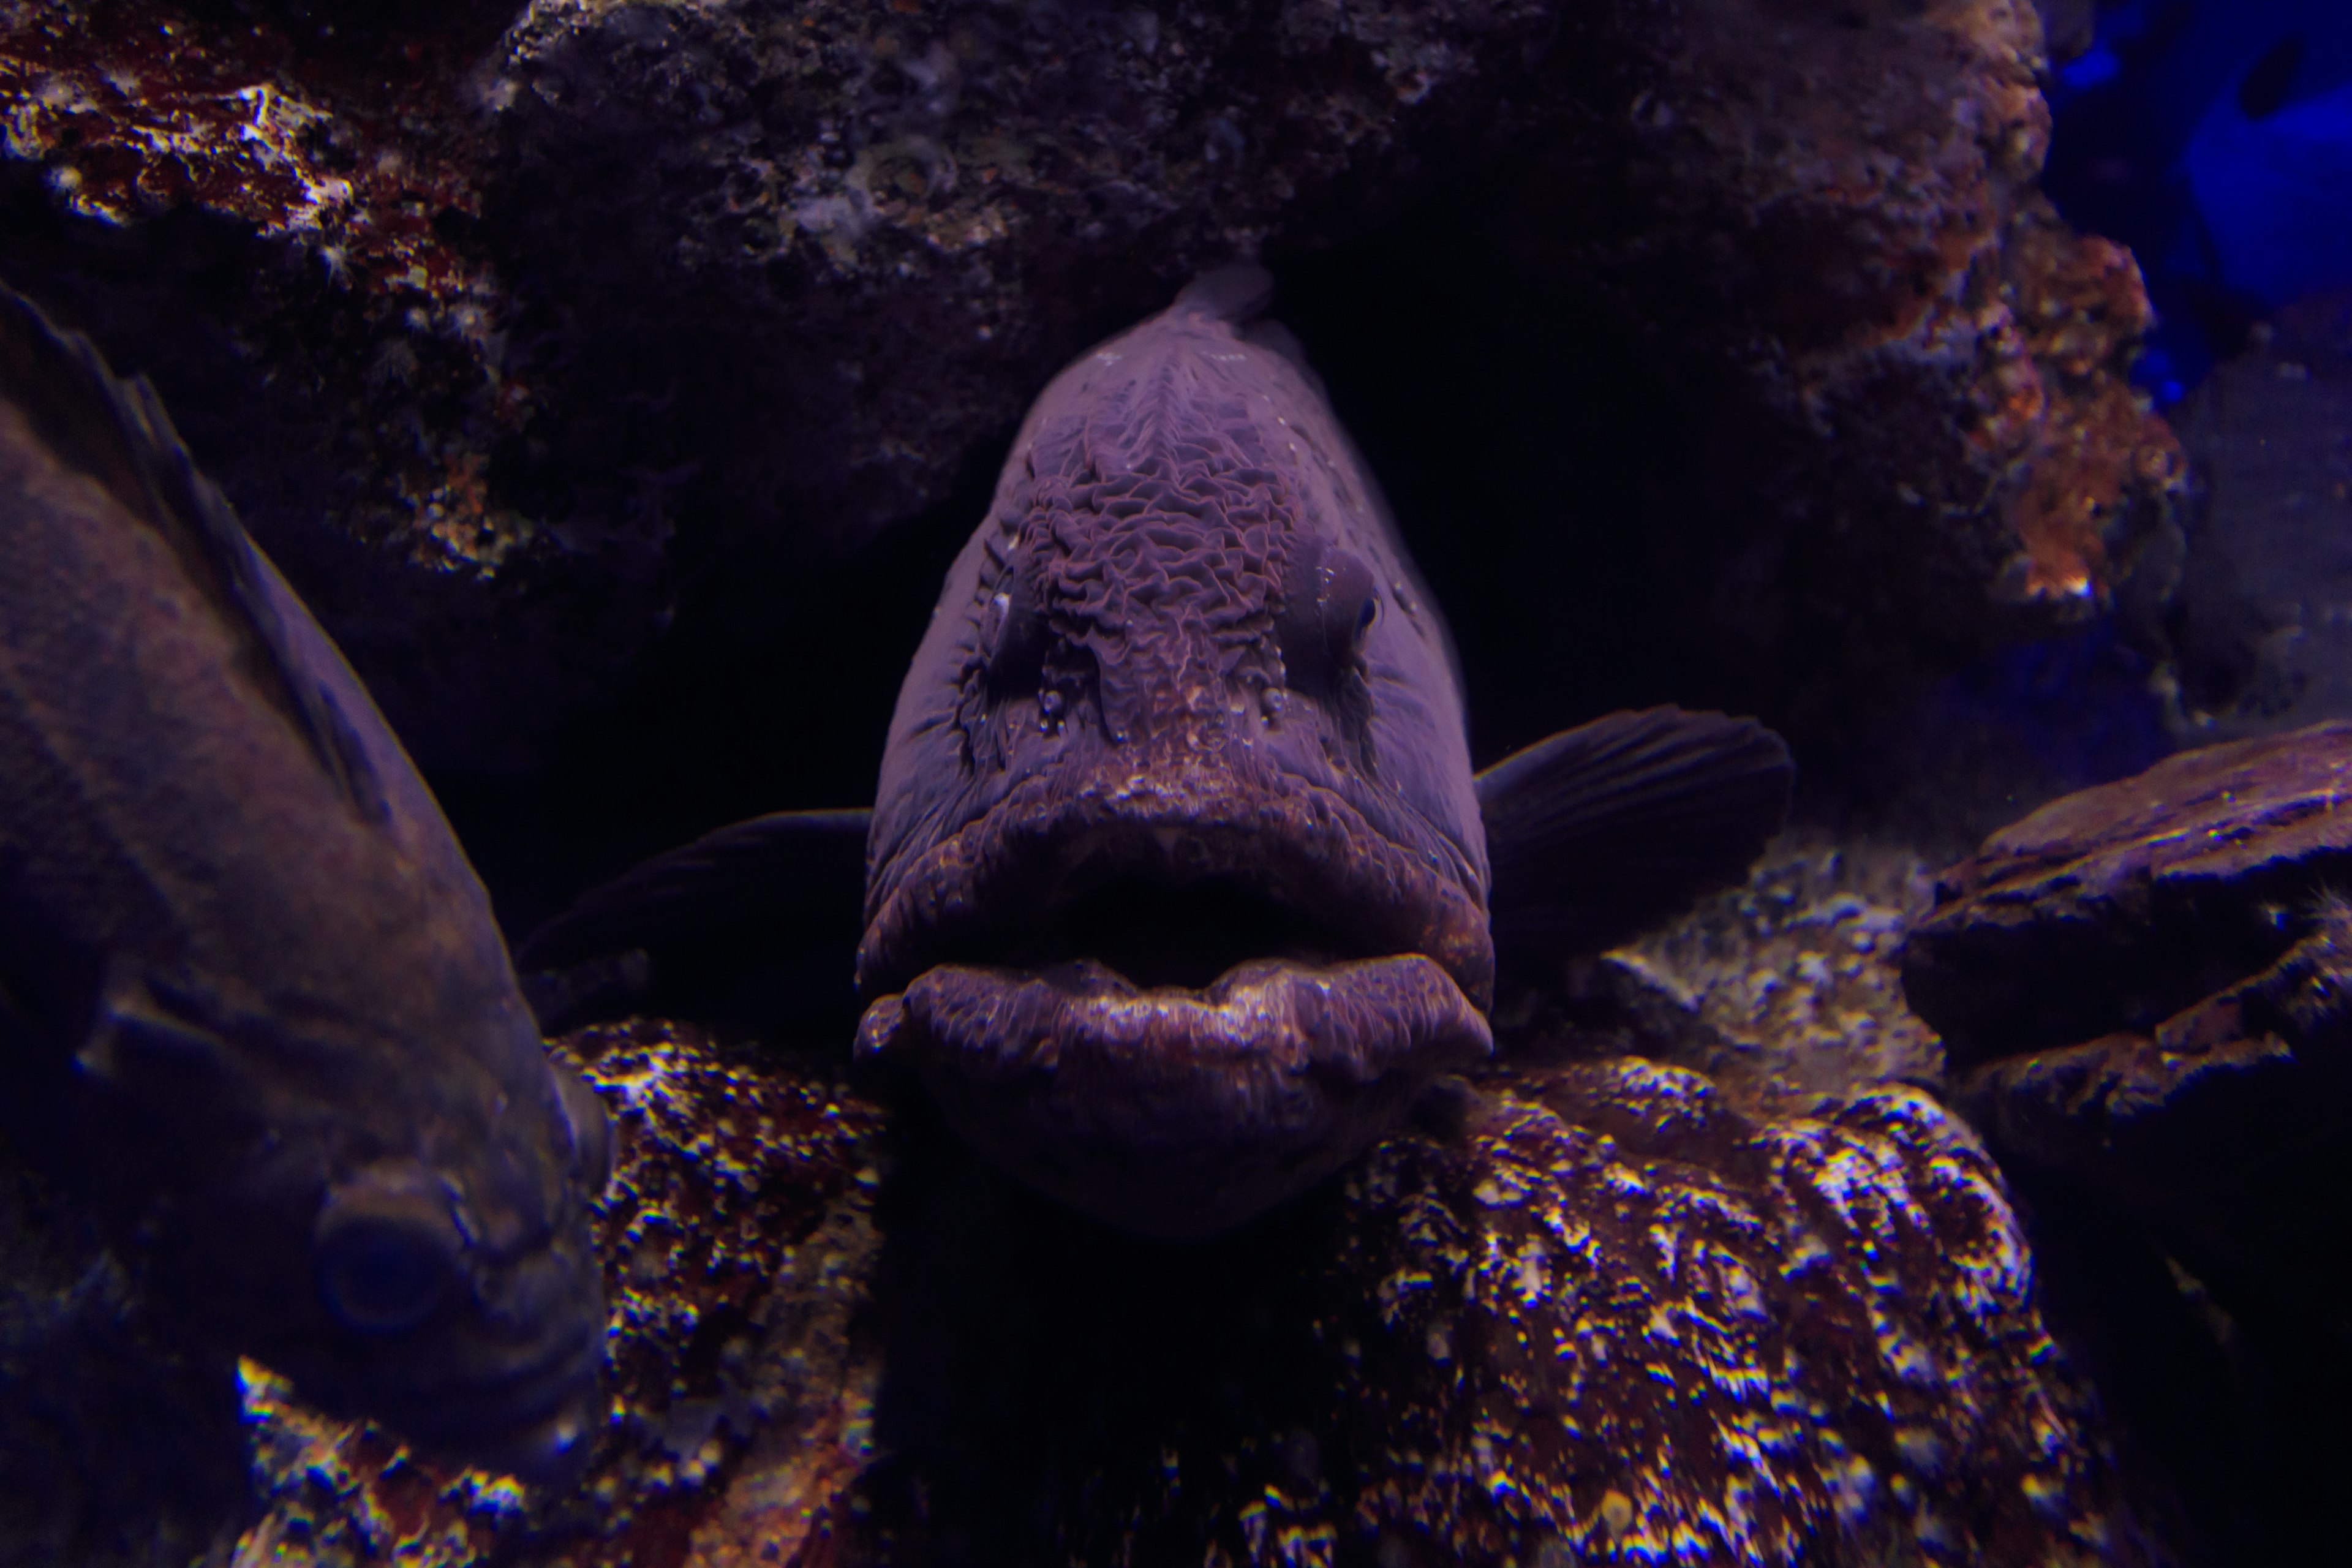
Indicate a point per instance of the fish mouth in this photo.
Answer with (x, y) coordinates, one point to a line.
(1172, 999)
(540, 1425)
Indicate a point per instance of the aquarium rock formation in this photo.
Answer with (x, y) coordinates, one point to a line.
(1610, 1316)
(2146, 985)
(498, 324)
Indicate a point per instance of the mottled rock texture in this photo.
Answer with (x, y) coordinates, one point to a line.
(1781, 990)
(2152, 981)
(1609, 1318)
(505, 328)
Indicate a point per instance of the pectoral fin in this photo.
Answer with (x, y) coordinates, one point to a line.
(1607, 830)
(754, 924)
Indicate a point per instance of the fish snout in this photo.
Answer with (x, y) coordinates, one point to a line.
(553, 1451)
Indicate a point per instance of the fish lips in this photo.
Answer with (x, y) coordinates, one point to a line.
(1162, 1109)
(1178, 1113)
(1175, 818)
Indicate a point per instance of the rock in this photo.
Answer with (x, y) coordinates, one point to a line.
(1781, 990)
(499, 337)
(2221, 1130)
(117, 1448)
(1843, 397)
(2117, 908)
(1610, 1316)
(2150, 984)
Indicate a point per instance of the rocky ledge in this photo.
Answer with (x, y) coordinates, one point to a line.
(2152, 985)
(1608, 1317)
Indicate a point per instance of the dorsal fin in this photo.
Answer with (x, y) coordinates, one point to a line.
(1238, 293)
(119, 434)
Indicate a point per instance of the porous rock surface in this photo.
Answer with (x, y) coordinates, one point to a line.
(1611, 1318)
(1782, 990)
(495, 323)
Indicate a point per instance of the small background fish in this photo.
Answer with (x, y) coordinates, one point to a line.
(253, 1005)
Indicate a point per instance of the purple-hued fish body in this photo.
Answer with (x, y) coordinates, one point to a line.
(1177, 880)
(252, 1000)
(1179, 888)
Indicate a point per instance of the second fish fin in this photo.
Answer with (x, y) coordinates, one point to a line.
(1600, 832)
(757, 923)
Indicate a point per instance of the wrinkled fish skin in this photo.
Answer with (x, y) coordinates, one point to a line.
(252, 999)
(1184, 658)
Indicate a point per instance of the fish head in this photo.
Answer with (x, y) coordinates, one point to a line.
(1176, 889)
(400, 1229)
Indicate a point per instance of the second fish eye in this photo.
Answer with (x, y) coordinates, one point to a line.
(386, 1256)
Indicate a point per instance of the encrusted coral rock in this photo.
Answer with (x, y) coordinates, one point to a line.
(1906, 376)
(2116, 907)
(1615, 1318)
(1628, 1321)
(1611, 1318)
(283, 228)
(1782, 989)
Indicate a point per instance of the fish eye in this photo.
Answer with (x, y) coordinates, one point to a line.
(1330, 603)
(1013, 635)
(1350, 603)
(386, 1254)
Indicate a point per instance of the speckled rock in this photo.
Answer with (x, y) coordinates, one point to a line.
(1614, 1319)
(499, 336)
(2116, 907)
(283, 228)
(1608, 1317)
(1781, 990)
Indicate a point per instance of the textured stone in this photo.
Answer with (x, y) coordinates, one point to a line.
(2114, 908)
(497, 338)
(2220, 1128)
(1783, 989)
(2150, 979)
(1914, 371)
(1610, 1316)
(1615, 1318)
